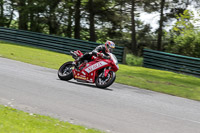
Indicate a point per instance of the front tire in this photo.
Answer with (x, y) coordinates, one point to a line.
(65, 71)
(103, 82)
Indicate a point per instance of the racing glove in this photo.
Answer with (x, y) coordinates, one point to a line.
(103, 56)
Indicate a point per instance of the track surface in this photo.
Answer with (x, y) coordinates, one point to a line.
(117, 109)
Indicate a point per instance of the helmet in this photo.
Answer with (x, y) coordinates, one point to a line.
(109, 45)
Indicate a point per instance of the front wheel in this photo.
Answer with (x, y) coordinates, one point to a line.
(65, 71)
(103, 82)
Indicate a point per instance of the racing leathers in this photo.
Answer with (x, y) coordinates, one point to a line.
(99, 50)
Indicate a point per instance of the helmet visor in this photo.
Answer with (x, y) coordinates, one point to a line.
(112, 45)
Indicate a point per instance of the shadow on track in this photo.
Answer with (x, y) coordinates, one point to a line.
(86, 84)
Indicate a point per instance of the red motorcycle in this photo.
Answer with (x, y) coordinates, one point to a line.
(99, 71)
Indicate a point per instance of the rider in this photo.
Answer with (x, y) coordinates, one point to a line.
(101, 50)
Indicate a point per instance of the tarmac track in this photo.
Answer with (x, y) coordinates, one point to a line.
(117, 109)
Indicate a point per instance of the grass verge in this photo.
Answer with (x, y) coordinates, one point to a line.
(132, 60)
(15, 121)
(156, 80)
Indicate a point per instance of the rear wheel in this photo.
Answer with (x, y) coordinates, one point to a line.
(103, 82)
(65, 71)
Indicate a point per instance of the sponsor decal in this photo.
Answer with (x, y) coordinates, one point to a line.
(79, 77)
(83, 73)
(95, 66)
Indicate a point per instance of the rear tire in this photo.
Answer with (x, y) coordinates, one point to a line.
(107, 81)
(65, 71)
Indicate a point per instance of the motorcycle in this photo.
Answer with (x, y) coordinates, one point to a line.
(99, 70)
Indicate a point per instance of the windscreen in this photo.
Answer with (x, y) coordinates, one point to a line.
(114, 58)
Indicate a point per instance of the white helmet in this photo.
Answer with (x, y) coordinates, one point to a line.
(109, 45)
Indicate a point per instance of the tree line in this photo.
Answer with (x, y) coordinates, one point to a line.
(101, 20)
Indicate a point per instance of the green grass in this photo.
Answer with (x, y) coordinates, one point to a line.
(33, 55)
(132, 60)
(160, 81)
(156, 80)
(15, 121)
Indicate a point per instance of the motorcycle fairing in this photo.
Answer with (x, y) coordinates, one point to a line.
(88, 73)
(81, 75)
(95, 66)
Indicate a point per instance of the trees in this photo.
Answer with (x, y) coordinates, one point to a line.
(185, 38)
(91, 20)
(97, 20)
(23, 14)
(3, 19)
(133, 34)
(52, 16)
(168, 11)
(6, 12)
(69, 19)
(160, 30)
(36, 10)
(77, 27)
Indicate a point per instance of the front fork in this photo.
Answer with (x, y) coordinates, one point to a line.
(106, 71)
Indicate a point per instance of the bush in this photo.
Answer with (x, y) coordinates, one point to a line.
(185, 38)
(186, 44)
(132, 60)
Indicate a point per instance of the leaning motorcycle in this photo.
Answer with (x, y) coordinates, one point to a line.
(99, 71)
